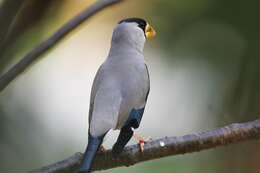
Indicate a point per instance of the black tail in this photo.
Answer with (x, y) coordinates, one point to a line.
(90, 153)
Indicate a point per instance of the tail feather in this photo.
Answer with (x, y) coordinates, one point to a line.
(90, 153)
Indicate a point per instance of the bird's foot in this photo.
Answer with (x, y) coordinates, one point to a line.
(141, 140)
(102, 149)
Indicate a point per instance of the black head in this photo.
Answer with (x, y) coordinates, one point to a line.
(141, 22)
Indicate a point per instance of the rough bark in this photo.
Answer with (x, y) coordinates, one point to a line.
(163, 147)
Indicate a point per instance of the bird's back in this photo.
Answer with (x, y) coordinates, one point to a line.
(120, 85)
(134, 85)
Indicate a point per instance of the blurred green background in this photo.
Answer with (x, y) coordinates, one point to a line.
(204, 68)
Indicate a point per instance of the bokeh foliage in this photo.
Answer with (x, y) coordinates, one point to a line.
(224, 35)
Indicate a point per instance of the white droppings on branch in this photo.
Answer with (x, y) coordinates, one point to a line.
(155, 149)
(162, 144)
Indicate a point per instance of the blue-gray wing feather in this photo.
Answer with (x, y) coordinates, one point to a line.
(136, 115)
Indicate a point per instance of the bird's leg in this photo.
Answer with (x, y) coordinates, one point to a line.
(125, 135)
(141, 140)
(102, 149)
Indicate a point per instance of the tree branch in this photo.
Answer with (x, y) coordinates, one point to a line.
(163, 147)
(31, 56)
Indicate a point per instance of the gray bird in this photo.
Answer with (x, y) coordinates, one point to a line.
(120, 89)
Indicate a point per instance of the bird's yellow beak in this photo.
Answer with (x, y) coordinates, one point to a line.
(149, 31)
